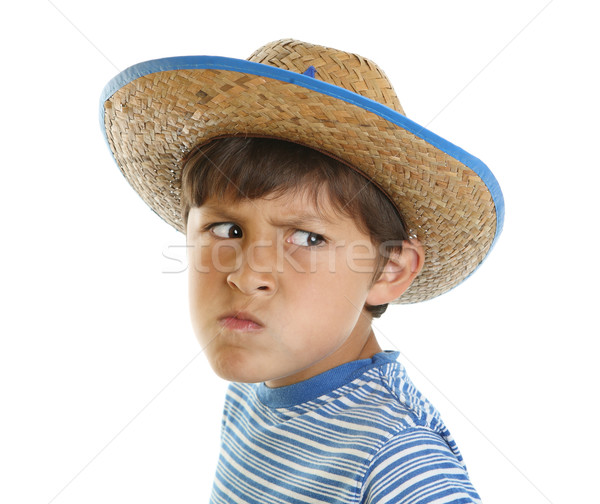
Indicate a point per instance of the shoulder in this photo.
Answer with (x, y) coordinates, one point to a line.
(394, 400)
(418, 461)
(417, 465)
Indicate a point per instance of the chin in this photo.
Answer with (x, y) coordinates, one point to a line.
(234, 367)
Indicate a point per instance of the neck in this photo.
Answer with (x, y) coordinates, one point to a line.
(370, 348)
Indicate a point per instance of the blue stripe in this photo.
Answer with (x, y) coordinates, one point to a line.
(249, 67)
(371, 439)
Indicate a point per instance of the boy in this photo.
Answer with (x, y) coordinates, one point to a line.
(309, 203)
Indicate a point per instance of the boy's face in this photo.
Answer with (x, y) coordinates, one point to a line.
(277, 288)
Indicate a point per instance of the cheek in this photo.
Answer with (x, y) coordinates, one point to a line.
(197, 270)
(203, 279)
(220, 257)
(323, 303)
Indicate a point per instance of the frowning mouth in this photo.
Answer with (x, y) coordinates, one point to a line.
(240, 321)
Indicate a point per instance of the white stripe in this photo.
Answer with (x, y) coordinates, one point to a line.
(292, 476)
(374, 418)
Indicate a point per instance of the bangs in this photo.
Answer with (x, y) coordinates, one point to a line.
(237, 168)
(241, 168)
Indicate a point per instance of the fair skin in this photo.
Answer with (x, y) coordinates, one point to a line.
(277, 288)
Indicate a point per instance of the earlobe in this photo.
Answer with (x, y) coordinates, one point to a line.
(399, 272)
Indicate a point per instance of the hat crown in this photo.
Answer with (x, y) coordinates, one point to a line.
(349, 71)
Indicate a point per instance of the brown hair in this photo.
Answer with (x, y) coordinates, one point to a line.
(251, 168)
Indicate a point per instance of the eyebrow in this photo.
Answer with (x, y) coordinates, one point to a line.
(296, 219)
(219, 212)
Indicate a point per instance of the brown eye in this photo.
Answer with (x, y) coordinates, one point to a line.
(227, 230)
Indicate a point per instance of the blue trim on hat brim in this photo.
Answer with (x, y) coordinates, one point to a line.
(249, 67)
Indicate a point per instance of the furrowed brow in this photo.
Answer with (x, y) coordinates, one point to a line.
(219, 212)
(302, 220)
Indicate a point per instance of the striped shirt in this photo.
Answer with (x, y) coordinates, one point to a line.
(358, 433)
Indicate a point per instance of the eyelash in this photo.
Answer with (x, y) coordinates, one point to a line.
(235, 227)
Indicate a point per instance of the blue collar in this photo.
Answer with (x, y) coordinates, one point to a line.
(308, 390)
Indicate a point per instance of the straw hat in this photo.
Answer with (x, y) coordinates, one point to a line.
(154, 113)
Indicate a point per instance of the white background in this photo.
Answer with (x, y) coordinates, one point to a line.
(103, 394)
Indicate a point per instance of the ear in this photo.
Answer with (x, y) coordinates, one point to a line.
(399, 272)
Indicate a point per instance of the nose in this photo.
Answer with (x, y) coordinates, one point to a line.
(256, 272)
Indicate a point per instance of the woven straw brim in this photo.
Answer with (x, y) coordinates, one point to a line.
(154, 114)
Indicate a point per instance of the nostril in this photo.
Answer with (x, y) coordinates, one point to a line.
(263, 287)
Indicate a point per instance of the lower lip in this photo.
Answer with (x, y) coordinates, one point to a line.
(237, 324)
